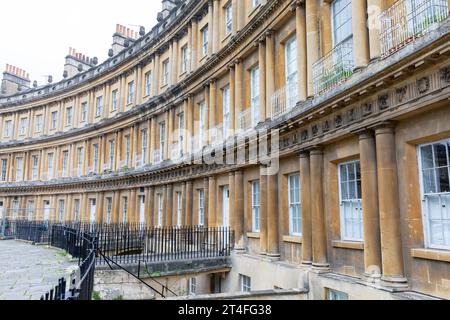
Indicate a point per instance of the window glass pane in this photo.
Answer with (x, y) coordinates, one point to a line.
(427, 157)
(443, 180)
(440, 154)
(429, 182)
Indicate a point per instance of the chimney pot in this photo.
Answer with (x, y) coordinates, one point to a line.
(35, 84)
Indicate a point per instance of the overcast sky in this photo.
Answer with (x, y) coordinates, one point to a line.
(36, 35)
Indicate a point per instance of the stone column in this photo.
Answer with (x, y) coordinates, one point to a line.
(262, 80)
(232, 126)
(216, 26)
(210, 26)
(371, 218)
(312, 39)
(320, 261)
(184, 204)
(100, 201)
(84, 210)
(189, 203)
(263, 211)
(174, 62)
(194, 44)
(168, 205)
(238, 103)
(270, 71)
(212, 107)
(300, 19)
(234, 6)
(240, 14)
(155, 75)
(388, 201)
(305, 192)
(325, 32)
(239, 210)
(132, 212)
(272, 216)
(207, 113)
(232, 190)
(116, 209)
(374, 8)
(151, 207)
(360, 34)
(212, 201)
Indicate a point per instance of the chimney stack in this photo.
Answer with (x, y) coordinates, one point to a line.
(121, 36)
(76, 59)
(14, 80)
(167, 7)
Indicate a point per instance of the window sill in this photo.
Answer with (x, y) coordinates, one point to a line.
(253, 235)
(348, 245)
(431, 254)
(293, 239)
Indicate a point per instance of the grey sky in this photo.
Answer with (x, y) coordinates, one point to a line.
(36, 35)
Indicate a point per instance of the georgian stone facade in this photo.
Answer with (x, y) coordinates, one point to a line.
(177, 128)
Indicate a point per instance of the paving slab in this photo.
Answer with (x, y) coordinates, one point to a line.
(27, 272)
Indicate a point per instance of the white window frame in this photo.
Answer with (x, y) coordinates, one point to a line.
(124, 210)
(426, 215)
(201, 207)
(256, 206)
(76, 209)
(112, 155)
(4, 170)
(148, 83)
(165, 72)
(127, 150)
(39, 123)
(99, 106)
(34, 167)
(179, 208)
(254, 95)
(7, 132)
(30, 209)
(96, 157)
(114, 100)
(355, 205)
(84, 112)
(61, 209)
(69, 116)
(144, 145)
(180, 133)
(228, 18)
(293, 205)
(160, 209)
(184, 59)
(245, 283)
(226, 111)
(192, 286)
(109, 202)
(65, 165)
(54, 120)
(162, 139)
(50, 165)
(23, 126)
(205, 40)
(130, 97)
(19, 169)
(202, 124)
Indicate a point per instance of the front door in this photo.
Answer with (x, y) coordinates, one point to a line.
(46, 210)
(93, 209)
(226, 205)
(142, 209)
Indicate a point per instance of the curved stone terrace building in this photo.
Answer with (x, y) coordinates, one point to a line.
(318, 130)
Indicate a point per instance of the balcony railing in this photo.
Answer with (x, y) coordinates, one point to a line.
(249, 118)
(284, 100)
(334, 68)
(407, 20)
(157, 156)
(217, 134)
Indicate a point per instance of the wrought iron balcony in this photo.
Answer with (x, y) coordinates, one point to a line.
(334, 68)
(249, 118)
(407, 20)
(284, 100)
(157, 156)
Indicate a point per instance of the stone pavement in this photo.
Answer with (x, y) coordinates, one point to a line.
(27, 272)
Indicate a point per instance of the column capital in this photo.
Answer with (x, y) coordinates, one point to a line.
(316, 150)
(384, 127)
(298, 4)
(269, 33)
(365, 134)
(304, 154)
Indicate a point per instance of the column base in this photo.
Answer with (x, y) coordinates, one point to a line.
(239, 250)
(394, 282)
(307, 263)
(321, 267)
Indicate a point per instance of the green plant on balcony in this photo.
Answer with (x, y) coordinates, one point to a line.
(334, 75)
(428, 21)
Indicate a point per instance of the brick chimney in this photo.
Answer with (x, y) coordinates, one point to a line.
(14, 80)
(122, 38)
(77, 62)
